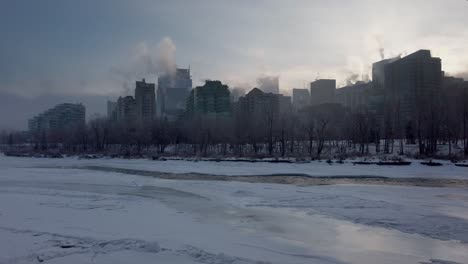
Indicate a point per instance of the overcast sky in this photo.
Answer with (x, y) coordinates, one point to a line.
(72, 49)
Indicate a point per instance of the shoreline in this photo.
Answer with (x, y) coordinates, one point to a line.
(285, 178)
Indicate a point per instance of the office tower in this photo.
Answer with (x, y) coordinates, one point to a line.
(300, 98)
(322, 91)
(126, 110)
(213, 98)
(145, 100)
(173, 91)
(111, 106)
(411, 87)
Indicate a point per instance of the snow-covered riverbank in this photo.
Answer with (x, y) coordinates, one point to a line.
(313, 168)
(63, 215)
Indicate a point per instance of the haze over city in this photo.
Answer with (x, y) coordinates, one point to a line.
(90, 51)
(234, 131)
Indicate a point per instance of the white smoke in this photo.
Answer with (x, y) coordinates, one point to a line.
(166, 56)
(268, 84)
(147, 61)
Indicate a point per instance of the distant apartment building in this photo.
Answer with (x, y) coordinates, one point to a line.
(453, 95)
(354, 96)
(322, 91)
(256, 102)
(412, 86)
(183, 79)
(60, 118)
(284, 103)
(111, 106)
(145, 101)
(213, 98)
(378, 73)
(126, 110)
(300, 98)
(140, 109)
(173, 91)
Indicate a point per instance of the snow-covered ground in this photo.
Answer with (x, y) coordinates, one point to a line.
(52, 213)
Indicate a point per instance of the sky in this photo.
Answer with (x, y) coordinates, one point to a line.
(52, 51)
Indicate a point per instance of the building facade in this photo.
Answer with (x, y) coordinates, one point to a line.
(145, 101)
(322, 91)
(173, 91)
(354, 96)
(412, 86)
(60, 118)
(212, 98)
(111, 106)
(126, 110)
(257, 103)
(300, 98)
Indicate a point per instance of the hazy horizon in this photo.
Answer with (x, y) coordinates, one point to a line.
(90, 51)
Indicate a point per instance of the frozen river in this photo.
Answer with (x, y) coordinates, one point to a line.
(53, 211)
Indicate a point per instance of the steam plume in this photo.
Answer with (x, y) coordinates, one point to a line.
(268, 84)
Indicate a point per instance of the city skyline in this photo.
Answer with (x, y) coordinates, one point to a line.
(328, 91)
(234, 131)
(103, 53)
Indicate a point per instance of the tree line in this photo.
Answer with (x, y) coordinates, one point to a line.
(321, 131)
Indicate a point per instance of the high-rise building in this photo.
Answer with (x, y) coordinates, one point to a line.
(378, 72)
(62, 117)
(256, 103)
(173, 91)
(145, 99)
(164, 83)
(300, 98)
(212, 98)
(284, 104)
(183, 79)
(355, 96)
(322, 91)
(111, 106)
(412, 85)
(126, 110)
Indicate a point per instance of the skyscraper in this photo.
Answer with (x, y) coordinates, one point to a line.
(256, 103)
(378, 72)
(322, 91)
(183, 79)
(412, 99)
(173, 91)
(411, 86)
(125, 110)
(301, 98)
(111, 106)
(212, 98)
(145, 100)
